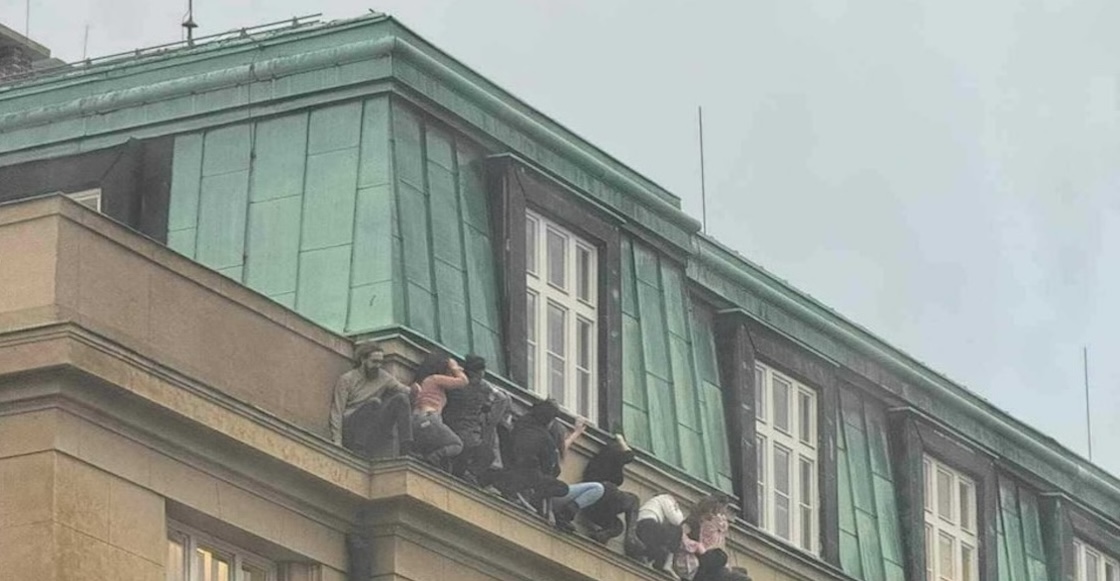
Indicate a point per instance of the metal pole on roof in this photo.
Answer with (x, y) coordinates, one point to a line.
(27, 20)
(1088, 417)
(189, 23)
(703, 192)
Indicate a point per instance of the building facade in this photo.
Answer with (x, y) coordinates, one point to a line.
(238, 213)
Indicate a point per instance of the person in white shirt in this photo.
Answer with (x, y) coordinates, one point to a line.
(659, 530)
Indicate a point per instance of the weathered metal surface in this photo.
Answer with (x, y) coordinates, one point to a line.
(870, 545)
(672, 402)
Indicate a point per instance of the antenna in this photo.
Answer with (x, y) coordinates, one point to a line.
(1088, 418)
(703, 192)
(27, 20)
(85, 44)
(189, 23)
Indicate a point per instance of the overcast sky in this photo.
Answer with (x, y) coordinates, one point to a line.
(945, 173)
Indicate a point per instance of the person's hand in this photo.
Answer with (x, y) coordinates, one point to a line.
(581, 425)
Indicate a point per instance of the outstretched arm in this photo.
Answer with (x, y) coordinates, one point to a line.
(581, 426)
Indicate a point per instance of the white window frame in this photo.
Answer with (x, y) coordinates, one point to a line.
(543, 293)
(193, 539)
(950, 519)
(90, 198)
(798, 439)
(1106, 567)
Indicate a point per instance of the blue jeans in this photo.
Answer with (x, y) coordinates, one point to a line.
(584, 494)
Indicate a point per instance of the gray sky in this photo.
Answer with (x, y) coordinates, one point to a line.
(945, 173)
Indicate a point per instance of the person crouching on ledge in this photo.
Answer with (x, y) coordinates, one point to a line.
(435, 442)
(369, 406)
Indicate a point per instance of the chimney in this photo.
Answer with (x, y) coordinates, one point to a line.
(19, 55)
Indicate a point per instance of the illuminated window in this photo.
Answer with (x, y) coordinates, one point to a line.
(195, 556)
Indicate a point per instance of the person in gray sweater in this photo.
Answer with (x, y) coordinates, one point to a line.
(370, 406)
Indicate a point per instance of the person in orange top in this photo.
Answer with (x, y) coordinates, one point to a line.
(432, 439)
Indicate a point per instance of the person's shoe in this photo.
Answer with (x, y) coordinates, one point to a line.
(600, 536)
(564, 517)
(634, 548)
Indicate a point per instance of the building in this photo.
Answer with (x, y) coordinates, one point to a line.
(245, 209)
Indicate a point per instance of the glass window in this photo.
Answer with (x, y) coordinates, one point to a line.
(781, 492)
(787, 490)
(950, 515)
(584, 274)
(531, 315)
(760, 393)
(781, 403)
(1092, 564)
(531, 228)
(557, 356)
(563, 356)
(211, 559)
(557, 259)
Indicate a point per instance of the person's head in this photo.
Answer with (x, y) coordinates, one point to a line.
(370, 357)
(436, 363)
(543, 412)
(713, 504)
(475, 367)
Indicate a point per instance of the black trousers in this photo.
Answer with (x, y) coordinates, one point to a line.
(661, 540)
(607, 514)
(368, 432)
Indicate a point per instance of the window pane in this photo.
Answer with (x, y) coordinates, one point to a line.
(585, 395)
(805, 407)
(251, 573)
(966, 506)
(556, 351)
(781, 493)
(946, 569)
(531, 245)
(927, 472)
(945, 495)
(584, 348)
(806, 481)
(531, 337)
(760, 460)
(557, 317)
(781, 516)
(176, 564)
(557, 259)
(1110, 572)
(1092, 565)
(759, 394)
(929, 553)
(583, 273)
(806, 528)
(210, 565)
(781, 404)
(966, 562)
(781, 470)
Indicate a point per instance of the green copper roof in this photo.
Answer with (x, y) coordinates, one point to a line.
(236, 80)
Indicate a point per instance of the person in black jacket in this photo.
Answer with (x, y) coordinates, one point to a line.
(466, 413)
(530, 476)
(605, 517)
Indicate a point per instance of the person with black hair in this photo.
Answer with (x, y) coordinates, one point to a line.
(369, 406)
(467, 414)
(435, 442)
(603, 518)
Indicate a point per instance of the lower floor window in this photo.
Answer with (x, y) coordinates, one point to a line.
(195, 556)
(1093, 565)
